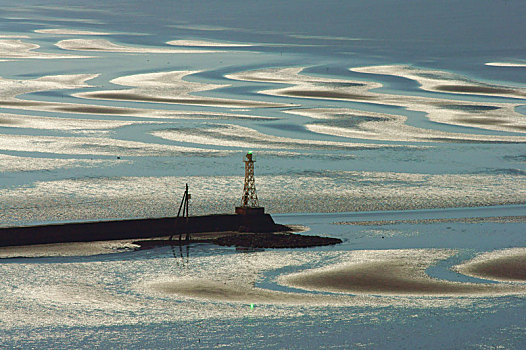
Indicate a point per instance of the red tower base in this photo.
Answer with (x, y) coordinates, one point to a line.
(250, 210)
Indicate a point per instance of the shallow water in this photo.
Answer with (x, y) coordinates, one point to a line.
(204, 295)
(401, 116)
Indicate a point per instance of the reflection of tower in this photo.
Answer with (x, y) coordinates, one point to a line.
(249, 202)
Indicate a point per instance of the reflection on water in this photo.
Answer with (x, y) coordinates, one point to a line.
(177, 251)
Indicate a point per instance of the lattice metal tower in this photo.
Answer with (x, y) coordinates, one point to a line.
(250, 198)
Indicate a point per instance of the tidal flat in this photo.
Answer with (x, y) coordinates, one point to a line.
(390, 126)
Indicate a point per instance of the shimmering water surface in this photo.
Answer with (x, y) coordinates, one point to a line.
(398, 127)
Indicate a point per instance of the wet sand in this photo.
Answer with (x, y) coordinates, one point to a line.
(146, 196)
(203, 43)
(11, 88)
(137, 97)
(84, 126)
(94, 146)
(67, 249)
(171, 87)
(506, 64)
(386, 127)
(104, 45)
(494, 116)
(16, 48)
(24, 164)
(391, 273)
(441, 81)
(477, 220)
(238, 136)
(504, 265)
(232, 292)
(64, 31)
(473, 89)
(371, 273)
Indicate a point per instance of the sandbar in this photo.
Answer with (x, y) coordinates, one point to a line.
(400, 272)
(203, 43)
(171, 87)
(502, 265)
(506, 64)
(385, 127)
(104, 45)
(473, 220)
(484, 115)
(240, 136)
(10, 48)
(64, 31)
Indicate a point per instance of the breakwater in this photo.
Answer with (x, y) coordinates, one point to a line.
(136, 228)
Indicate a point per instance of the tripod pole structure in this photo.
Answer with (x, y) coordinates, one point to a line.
(184, 207)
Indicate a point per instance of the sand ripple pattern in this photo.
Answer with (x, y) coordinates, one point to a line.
(170, 87)
(490, 116)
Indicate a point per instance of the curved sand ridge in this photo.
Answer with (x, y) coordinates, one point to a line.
(78, 126)
(440, 81)
(13, 36)
(500, 265)
(64, 31)
(170, 87)
(11, 88)
(233, 292)
(484, 115)
(506, 64)
(384, 127)
(387, 273)
(243, 137)
(67, 249)
(104, 45)
(203, 43)
(392, 272)
(83, 145)
(20, 164)
(10, 48)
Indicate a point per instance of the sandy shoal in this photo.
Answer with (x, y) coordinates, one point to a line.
(386, 127)
(441, 81)
(10, 163)
(231, 292)
(203, 43)
(506, 64)
(104, 45)
(142, 196)
(471, 220)
(67, 249)
(171, 87)
(94, 146)
(503, 265)
(386, 273)
(239, 136)
(11, 88)
(65, 31)
(16, 48)
(398, 273)
(75, 125)
(484, 115)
